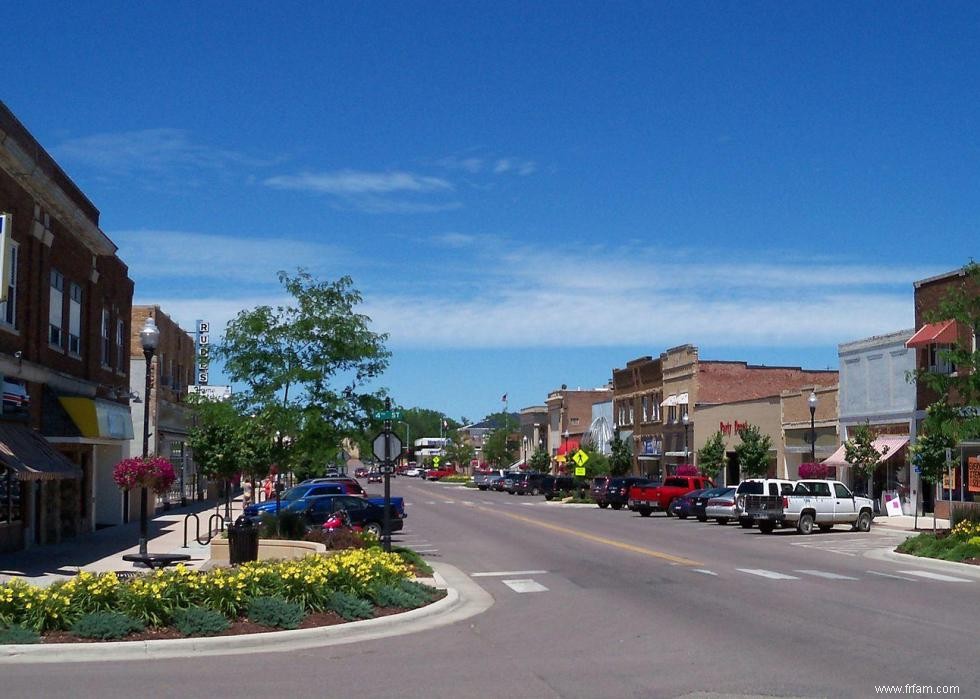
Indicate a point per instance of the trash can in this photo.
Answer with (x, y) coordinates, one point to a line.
(243, 542)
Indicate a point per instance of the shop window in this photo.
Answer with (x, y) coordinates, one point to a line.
(75, 319)
(8, 308)
(56, 309)
(105, 335)
(671, 414)
(121, 355)
(10, 490)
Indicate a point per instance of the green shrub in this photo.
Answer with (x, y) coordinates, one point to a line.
(288, 525)
(105, 625)
(337, 540)
(424, 593)
(18, 635)
(200, 621)
(275, 611)
(350, 607)
(394, 596)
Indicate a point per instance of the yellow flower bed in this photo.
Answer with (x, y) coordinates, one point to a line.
(153, 598)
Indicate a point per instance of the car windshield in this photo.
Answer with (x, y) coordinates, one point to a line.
(295, 492)
(676, 482)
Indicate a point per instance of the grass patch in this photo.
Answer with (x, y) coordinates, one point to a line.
(945, 548)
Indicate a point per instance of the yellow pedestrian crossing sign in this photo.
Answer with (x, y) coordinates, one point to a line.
(435, 460)
(580, 457)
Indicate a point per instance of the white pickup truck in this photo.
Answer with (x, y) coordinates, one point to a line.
(822, 503)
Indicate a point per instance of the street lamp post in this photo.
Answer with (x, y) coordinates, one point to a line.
(565, 436)
(812, 400)
(149, 340)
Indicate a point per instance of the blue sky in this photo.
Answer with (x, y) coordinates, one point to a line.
(526, 194)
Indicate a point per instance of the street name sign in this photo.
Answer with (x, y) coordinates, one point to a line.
(388, 415)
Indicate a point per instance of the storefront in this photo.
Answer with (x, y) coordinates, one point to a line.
(891, 479)
(960, 487)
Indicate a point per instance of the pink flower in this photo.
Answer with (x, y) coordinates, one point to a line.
(155, 473)
(814, 470)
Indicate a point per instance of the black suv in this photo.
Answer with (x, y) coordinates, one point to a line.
(528, 483)
(556, 486)
(617, 491)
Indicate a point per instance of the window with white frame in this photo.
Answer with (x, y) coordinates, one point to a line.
(939, 359)
(106, 337)
(671, 414)
(56, 308)
(120, 345)
(75, 319)
(8, 308)
(645, 404)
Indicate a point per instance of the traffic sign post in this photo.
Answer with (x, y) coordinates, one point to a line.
(386, 447)
(388, 415)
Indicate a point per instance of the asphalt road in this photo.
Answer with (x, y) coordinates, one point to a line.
(600, 603)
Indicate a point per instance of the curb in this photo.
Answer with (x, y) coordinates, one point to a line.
(887, 554)
(464, 599)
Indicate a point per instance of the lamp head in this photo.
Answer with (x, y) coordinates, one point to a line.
(812, 400)
(685, 419)
(150, 335)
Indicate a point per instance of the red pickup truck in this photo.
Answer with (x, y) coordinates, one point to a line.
(647, 498)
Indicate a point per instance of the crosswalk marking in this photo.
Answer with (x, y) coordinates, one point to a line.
(826, 575)
(889, 575)
(772, 575)
(527, 585)
(934, 576)
(502, 573)
(705, 572)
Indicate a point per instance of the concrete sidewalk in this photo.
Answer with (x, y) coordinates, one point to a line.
(908, 522)
(103, 550)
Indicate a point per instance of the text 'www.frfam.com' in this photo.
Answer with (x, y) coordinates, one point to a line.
(913, 689)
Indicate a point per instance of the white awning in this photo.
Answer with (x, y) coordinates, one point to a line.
(682, 399)
(893, 442)
(669, 401)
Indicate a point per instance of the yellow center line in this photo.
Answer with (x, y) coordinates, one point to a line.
(643, 551)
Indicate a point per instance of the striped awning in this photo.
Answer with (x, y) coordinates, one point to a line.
(31, 457)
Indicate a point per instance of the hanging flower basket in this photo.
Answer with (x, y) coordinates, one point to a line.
(815, 470)
(154, 473)
(687, 470)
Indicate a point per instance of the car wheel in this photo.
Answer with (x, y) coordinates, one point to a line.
(805, 525)
(766, 527)
(645, 511)
(745, 523)
(669, 513)
(702, 518)
(373, 528)
(548, 497)
(825, 527)
(722, 520)
(617, 506)
(535, 491)
(864, 522)
(603, 505)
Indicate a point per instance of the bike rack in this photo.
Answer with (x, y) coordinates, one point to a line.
(212, 530)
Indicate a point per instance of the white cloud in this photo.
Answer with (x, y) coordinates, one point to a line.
(168, 255)
(158, 152)
(348, 182)
(515, 165)
(471, 165)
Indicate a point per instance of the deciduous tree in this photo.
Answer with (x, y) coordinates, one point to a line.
(712, 456)
(754, 451)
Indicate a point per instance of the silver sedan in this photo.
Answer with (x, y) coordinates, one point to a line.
(721, 508)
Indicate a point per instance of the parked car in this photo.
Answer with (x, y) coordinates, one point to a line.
(361, 472)
(598, 487)
(367, 515)
(529, 483)
(700, 501)
(374, 477)
(758, 486)
(483, 479)
(557, 486)
(412, 472)
(821, 503)
(721, 508)
(301, 494)
(352, 486)
(645, 499)
(617, 491)
(506, 484)
(683, 507)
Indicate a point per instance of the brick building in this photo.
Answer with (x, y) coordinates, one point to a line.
(569, 416)
(931, 338)
(695, 398)
(172, 372)
(64, 325)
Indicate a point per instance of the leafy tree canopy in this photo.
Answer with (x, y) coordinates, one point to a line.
(860, 453)
(712, 457)
(540, 461)
(753, 452)
(621, 458)
(458, 451)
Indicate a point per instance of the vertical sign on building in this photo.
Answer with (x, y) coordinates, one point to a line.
(6, 241)
(203, 351)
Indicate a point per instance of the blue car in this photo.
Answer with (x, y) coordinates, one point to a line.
(295, 499)
(683, 507)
